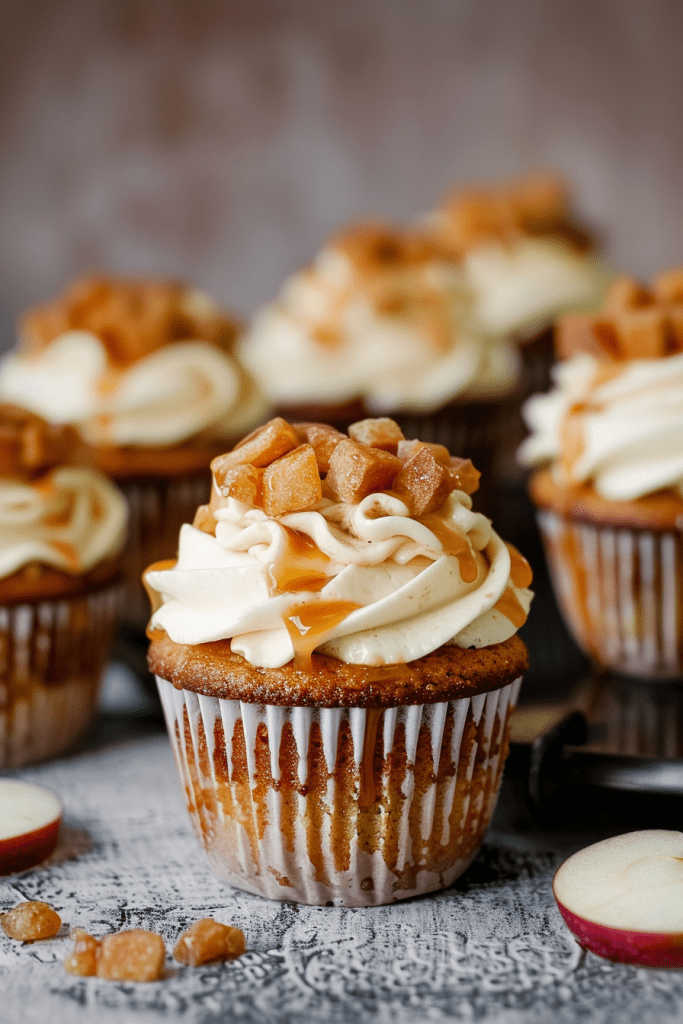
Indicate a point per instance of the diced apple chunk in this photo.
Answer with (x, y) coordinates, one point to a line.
(356, 471)
(292, 483)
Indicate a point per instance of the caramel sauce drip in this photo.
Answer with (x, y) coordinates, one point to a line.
(307, 622)
(68, 551)
(295, 574)
(155, 599)
(510, 607)
(204, 520)
(572, 439)
(453, 544)
(367, 774)
(520, 570)
(109, 381)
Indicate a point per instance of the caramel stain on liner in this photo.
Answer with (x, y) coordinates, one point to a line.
(309, 621)
(367, 793)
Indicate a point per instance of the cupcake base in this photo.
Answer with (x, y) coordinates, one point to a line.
(53, 654)
(324, 803)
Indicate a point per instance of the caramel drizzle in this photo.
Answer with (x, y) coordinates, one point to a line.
(292, 576)
(367, 794)
(307, 622)
(453, 543)
(508, 604)
(520, 570)
(68, 551)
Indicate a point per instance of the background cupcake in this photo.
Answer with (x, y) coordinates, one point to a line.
(144, 371)
(337, 657)
(611, 502)
(61, 531)
(381, 323)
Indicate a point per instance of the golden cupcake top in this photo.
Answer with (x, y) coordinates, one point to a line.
(132, 317)
(363, 546)
(133, 364)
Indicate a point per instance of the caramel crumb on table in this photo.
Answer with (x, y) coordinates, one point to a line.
(30, 921)
(208, 941)
(134, 955)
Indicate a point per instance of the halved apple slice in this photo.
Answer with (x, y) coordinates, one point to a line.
(623, 898)
(29, 824)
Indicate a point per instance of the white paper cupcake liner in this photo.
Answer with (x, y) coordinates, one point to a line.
(620, 591)
(157, 510)
(340, 806)
(52, 655)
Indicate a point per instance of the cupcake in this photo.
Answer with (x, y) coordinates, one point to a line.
(337, 656)
(144, 371)
(527, 260)
(381, 324)
(607, 442)
(62, 528)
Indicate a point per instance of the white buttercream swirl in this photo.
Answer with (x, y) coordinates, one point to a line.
(412, 597)
(631, 425)
(162, 399)
(415, 359)
(70, 519)
(523, 286)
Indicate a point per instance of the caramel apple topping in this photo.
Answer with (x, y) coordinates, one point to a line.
(536, 204)
(636, 322)
(132, 318)
(285, 468)
(29, 445)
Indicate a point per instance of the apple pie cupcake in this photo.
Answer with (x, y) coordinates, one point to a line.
(381, 324)
(337, 656)
(62, 528)
(607, 442)
(145, 372)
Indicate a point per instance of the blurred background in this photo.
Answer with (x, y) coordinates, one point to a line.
(220, 140)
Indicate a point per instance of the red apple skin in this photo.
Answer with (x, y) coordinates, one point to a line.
(640, 949)
(17, 853)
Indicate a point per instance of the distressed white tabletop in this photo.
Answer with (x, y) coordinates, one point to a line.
(492, 948)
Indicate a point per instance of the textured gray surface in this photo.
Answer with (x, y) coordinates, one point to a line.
(493, 948)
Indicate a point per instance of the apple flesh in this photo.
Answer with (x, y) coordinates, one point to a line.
(623, 898)
(29, 824)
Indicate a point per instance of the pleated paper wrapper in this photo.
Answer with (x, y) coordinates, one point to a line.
(620, 591)
(339, 806)
(52, 657)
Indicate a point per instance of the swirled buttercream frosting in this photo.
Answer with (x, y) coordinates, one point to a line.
(363, 547)
(614, 419)
(382, 315)
(523, 254)
(132, 363)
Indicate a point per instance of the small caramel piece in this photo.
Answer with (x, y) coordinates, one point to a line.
(134, 955)
(406, 450)
(208, 941)
(83, 960)
(30, 921)
(464, 476)
(292, 484)
(626, 293)
(643, 333)
(356, 471)
(204, 520)
(668, 286)
(244, 483)
(322, 439)
(423, 483)
(377, 433)
(581, 332)
(263, 446)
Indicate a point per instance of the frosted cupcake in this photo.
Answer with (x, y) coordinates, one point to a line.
(144, 371)
(381, 324)
(611, 498)
(527, 260)
(336, 653)
(61, 532)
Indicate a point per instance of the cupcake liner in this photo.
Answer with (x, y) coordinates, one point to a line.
(339, 806)
(621, 593)
(52, 655)
(158, 507)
